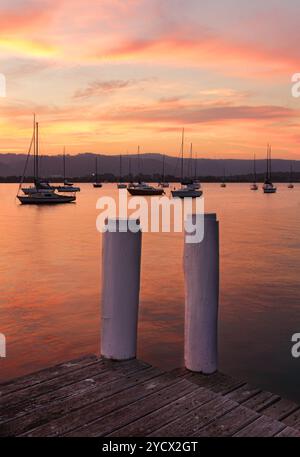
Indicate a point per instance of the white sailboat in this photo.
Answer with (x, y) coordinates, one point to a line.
(187, 189)
(42, 193)
(142, 188)
(268, 187)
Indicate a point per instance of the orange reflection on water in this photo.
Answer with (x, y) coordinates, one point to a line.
(50, 284)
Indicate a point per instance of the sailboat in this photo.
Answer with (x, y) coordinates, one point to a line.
(254, 186)
(68, 186)
(223, 183)
(163, 183)
(268, 186)
(42, 193)
(142, 188)
(121, 185)
(97, 183)
(196, 182)
(291, 185)
(187, 189)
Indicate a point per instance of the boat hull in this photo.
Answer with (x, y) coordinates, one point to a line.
(97, 186)
(29, 200)
(186, 194)
(67, 189)
(270, 191)
(144, 192)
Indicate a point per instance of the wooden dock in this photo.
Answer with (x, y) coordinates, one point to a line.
(95, 397)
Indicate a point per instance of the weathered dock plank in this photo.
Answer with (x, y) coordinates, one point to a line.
(162, 416)
(243, 393)
(97, 397)
(66, 400)
(281, 409)
(218, 382)
(261, 401)
(229, 424)
(198, 418)
(45, 374)
(127, 414)
(289, 432)
(262, 427)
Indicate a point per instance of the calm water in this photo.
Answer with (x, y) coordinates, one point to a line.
(50, 285)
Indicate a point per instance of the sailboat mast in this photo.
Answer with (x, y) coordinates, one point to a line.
(37, 150)
(182, 147)
(64, 162)
(139, 164)
(120, 167)
(254, 168)
(34, 159)
(129, 167)
(196, 166)
(96, 166)
(191, 160)
(270, 159)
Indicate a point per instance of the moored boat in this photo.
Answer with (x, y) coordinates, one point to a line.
(41, 193)
(268, 186)
(187, 189)
(97, 183)
(45, 197)
(144, 189)
(121, 185)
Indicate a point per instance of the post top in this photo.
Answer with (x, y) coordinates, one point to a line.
(120, 223)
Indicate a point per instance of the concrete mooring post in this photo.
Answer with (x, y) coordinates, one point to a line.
(121, 260)
(201, 271)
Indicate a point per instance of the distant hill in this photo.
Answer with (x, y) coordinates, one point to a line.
(83, 165)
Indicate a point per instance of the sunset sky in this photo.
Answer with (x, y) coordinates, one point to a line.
(106, 75)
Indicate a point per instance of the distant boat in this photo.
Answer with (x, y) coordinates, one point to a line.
(163, 183)
(42, 193)
(268, 187)
(196, 182)
(143, 189)
(187, 188)
(223, 183)
(68, 186)
(291, 185)
(254, 186)
(45, 197)
(121, 185)
(97, 183)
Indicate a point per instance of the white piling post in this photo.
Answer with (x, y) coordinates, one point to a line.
(121, 259)
(201, 270)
